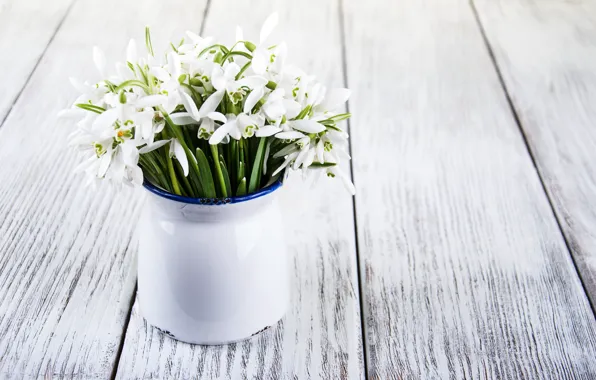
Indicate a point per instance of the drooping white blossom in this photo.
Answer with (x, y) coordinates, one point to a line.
(203, 91)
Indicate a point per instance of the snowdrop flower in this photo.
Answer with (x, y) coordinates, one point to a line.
(206, 116)
(230, 128)
(225, 79)
(250, 125)
(170, 85)
(261, 56)
(245, 101)
(277, 106)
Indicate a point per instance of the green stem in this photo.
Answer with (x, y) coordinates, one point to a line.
(172, 172)
(220, 177)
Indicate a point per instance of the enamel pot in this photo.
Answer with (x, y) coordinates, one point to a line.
(212, 271)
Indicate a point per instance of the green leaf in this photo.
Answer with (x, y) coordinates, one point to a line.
(90, 107)
(148, 41)
(130, 83)
(240, 171)
(173, 178)
(257, 166)
(218, 172)
(273, 179)
(241, 188)
(243, 69)
(226, 176)
(304, 112)
(206, 177)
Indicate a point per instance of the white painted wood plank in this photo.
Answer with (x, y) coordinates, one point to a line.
(67, 267)
(320, 338)
(466, 274)
(547, 54)
(26, 28)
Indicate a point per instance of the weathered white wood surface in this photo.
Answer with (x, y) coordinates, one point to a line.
(26, 27)
(67, 269)
(465, 272)
(320, 338)
(547, 54)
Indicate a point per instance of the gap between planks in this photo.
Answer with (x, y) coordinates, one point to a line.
(524, 136)
(344, 68)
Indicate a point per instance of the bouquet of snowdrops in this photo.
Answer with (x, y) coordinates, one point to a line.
(211, 121)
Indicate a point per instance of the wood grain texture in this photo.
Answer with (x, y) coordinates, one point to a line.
(547, 52)
(67, 267)
(26, 27)
(320, 338)
(466, 274)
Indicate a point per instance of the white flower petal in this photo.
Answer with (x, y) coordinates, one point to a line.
(99, 59)
(104, 164)
(189, 105)
(218, 80)
(210, 105)
(231, 71)
(151, 147)
(252, 99)
(292, 108)
(259, 61)
(131, 51)
(160, 73)
(290, 135)
(267, 130)
(217, 116)
(221, 132)
(253, 82)
(136, 175)
(268, 27)
(286, 162)
(183, 118)
(239, 34)
(174, 65)
(301, 157)
(310, 157)
(151, 101)
(334, 99)
(307, 126)
(193, 36)
(180, 155)
(289, 149)
(320, 151)
(106, 119)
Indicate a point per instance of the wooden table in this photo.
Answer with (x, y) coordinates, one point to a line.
(469, 250)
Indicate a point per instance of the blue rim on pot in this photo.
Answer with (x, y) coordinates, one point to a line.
(212, 201)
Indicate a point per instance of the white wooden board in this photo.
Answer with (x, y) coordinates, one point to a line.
(67, 267)
(26, 27)
(465, 272)
(320, 338)
(547, 54)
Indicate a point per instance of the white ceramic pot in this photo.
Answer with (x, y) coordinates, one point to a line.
(212, 273)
